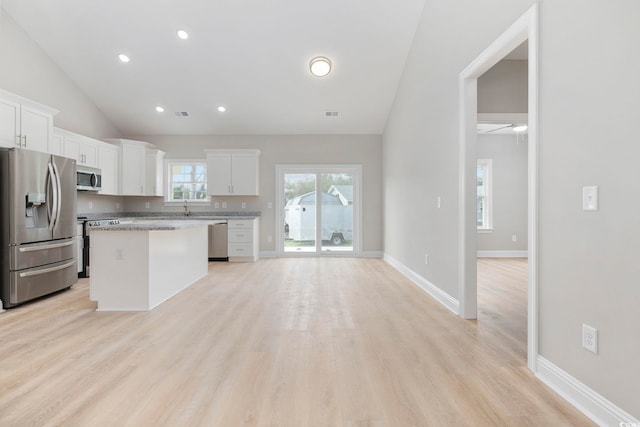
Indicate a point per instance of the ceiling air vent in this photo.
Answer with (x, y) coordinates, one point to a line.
(331, 114)
(182, 114)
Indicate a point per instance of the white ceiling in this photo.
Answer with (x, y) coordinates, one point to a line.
(249, 55)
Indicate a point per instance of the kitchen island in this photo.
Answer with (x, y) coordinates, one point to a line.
(137, 265)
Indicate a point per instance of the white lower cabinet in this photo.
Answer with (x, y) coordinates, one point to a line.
(243, 239)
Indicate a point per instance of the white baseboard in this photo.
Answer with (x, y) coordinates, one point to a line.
(590, 403)
(438, 294)
(1, 306)
(503, 254)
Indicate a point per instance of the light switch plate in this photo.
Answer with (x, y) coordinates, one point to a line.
(590, 198)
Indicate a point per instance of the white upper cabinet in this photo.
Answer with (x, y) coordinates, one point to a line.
(56, 143)
(108, 164)
(24, 123)
(139, 175)
(133, 158)
(81, 148)
(154, 172)
(89, 152)
(233, 172)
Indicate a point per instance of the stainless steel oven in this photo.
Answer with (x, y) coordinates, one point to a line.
(86, 240)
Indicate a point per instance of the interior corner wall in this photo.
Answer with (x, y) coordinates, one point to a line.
(588, 86)
(282, 149)
(29, 72)
(508, 154)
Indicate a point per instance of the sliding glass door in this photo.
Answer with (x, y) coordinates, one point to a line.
(319, 209)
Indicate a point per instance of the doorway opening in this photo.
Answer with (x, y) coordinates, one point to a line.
(525, 29)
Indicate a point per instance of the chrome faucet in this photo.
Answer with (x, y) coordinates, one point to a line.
(186, 209)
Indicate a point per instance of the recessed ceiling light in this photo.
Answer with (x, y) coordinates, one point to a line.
(183, 34)
(124, 58)
(222, 109)
(520, 128)
(159, 109)
(320, 66)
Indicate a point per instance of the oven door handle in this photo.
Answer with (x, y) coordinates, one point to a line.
(47, 270)
(45, 247)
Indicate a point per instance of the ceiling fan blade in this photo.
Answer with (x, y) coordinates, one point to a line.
(497, 129)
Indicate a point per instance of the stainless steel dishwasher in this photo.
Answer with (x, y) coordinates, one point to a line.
(218, 241)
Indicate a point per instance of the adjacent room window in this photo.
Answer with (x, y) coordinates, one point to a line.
(187, 180)
(484, 195)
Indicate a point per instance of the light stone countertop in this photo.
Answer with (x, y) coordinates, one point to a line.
(152, 225)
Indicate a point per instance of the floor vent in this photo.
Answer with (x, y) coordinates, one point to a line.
(331, 114)
(182, 114)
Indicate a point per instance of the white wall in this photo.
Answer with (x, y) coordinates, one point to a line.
(588, 269)
(283, 149)
(89, 202)
(27, 71)
(509, 188)
(503, 88)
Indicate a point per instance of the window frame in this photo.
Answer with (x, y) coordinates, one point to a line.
(318, 169)
(487, 166)
(168, 164)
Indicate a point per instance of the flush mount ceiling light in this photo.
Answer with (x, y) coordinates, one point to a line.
(520, 128)
(320, 66)
(159, 109)
(183, 34)
(124, 58)
(222, 108)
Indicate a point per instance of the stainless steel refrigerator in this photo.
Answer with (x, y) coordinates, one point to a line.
(37, 224)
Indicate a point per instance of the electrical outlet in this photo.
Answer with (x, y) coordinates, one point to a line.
(590, 338)
(120, 254)
(90, 205)
(269, 205)
(439, 202)
(514, 237)
(426, 259)
(269, 239)
(216, 205)
(147, 205)
(224, 205)
(117, 205)
(244, 205)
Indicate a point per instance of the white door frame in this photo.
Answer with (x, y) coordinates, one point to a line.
(525, 28)
(356, 169)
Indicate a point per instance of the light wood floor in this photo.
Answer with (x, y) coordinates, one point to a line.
(280, 342)
(502, 302)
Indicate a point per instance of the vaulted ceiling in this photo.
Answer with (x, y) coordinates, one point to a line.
(250, 56)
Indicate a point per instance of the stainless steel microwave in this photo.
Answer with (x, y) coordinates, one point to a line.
(88, 179)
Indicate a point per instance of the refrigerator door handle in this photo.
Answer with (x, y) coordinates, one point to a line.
(55, 168)
(45, 247)
(54, 211)
(47, 270)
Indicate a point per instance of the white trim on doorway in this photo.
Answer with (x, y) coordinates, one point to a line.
(524, 29)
